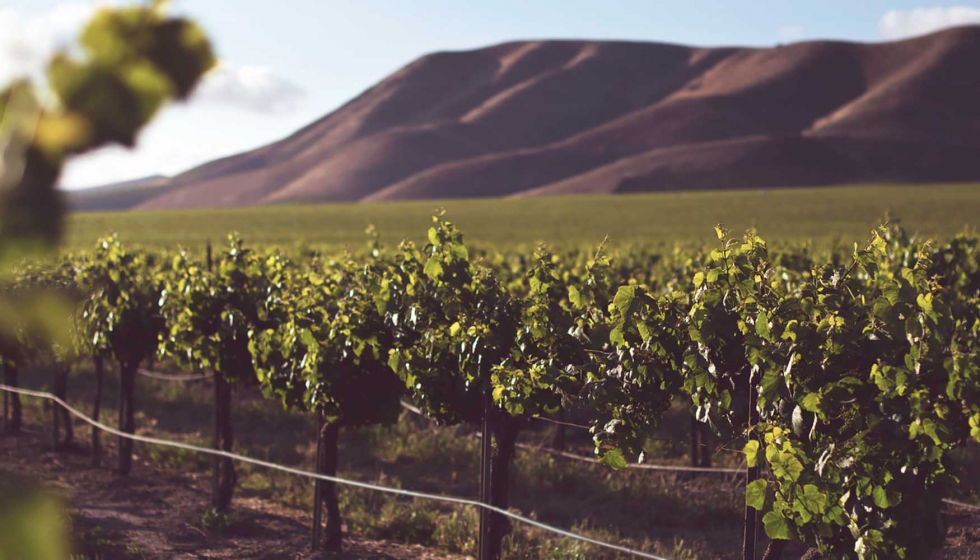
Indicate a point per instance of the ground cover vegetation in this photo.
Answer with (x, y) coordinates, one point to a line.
(823, 216)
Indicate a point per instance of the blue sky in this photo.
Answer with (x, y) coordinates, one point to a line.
(288, 62)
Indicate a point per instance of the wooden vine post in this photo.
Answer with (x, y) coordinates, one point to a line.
(751, 514)
(317, 535)
(127, 391)
(6, 402)
(486, 456)
(215, 436)
(61, 414)
(558, 439)
(55, 414)
(695, 440)
(99, 365)
(15, 419)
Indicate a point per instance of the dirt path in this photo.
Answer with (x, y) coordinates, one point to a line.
(156, 512)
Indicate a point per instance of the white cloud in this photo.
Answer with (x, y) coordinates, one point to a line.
(254, 88)
(899, 24)
(790, 33)
(26, 42)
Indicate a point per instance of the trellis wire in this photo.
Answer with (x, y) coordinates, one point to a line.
(179, 377)
(338, 480)
(643, 466)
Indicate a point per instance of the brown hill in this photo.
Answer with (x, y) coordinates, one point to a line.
(551, 117)
(117, 196)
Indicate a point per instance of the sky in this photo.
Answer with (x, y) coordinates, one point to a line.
(286, 63)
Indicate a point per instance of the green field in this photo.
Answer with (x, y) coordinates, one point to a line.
(783, 215)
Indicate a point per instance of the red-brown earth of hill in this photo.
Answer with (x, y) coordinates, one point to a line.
(551, 117)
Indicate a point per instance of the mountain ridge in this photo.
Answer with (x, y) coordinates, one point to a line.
(532, 118)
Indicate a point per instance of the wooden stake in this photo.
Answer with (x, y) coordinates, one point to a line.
(6, 401)
(55, 414)
(751, 521)
(695, 452)
(99, 365)
(486, 456)
(216, 444)
(318, 487)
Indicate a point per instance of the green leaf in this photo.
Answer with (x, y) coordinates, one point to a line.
(751, 451)
(151, 88)
(925, 302)
(498, 393)
(616, 337)
(307, 338)
(813, 499)
(613, 458)
(459, 251)
(880, 497)
(762, 326)
(891, 292)
(433, 269)
(811, 402)
(644, 330)
(755, 494)
(975, 427)
(785, 465)
(884, 498)
(624, 300)
(776, 526)
(577, 298)
(929, 428)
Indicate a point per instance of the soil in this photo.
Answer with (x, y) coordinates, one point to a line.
(156, 512)
(963, 539)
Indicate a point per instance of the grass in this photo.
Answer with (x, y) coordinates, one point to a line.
(789, 215)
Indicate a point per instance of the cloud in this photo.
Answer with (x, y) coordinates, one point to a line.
(26, 42)
(899, 24)
(790, 33)
(249, 87)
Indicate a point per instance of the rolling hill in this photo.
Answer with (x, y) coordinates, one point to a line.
(117, 196)
(561, 117)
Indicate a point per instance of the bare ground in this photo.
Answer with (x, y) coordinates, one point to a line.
(156, 512)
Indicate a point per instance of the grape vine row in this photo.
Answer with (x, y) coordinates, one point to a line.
(850, 376)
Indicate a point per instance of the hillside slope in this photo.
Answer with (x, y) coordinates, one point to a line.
(117, 196)
(550, 117)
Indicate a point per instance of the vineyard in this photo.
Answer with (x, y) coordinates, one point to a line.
(847, 382)
(821, 215)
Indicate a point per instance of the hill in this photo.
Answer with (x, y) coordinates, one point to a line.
(562, 117)
(117, 196)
